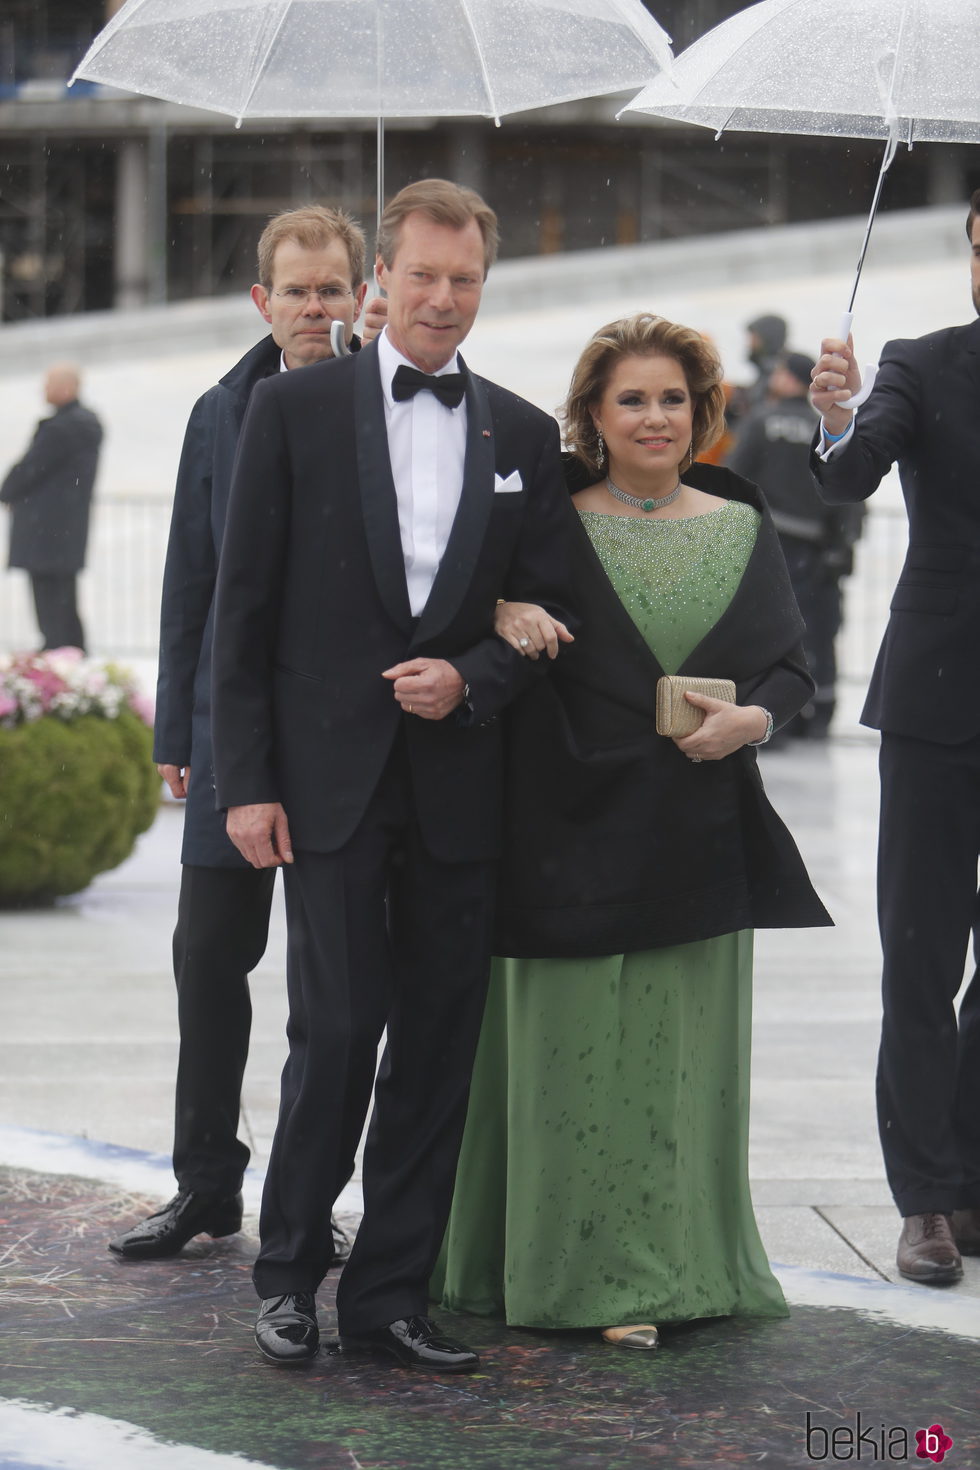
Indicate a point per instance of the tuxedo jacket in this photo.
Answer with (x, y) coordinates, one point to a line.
(312, 605)
(924, 413)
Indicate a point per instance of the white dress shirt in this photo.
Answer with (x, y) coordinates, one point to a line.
(427, 447)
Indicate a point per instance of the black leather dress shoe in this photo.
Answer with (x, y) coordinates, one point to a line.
(287, 1330)
(169, 1230)
(927, 1251)
(341, 1243)
(415, 1342)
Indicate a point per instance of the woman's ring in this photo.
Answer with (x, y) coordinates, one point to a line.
(524, 642)
(696, 760)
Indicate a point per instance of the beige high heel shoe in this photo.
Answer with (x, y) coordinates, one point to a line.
(644, 1337)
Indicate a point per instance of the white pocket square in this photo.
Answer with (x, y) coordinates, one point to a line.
(513, 481)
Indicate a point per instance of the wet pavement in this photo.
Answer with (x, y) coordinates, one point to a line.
(109, 1364)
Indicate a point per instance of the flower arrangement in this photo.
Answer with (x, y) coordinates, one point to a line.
(66, 684)
(77, 782)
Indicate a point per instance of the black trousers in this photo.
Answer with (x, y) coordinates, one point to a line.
(221, 935)
(928, 1084)
(56, 609)
(380, 933)
(818, 592)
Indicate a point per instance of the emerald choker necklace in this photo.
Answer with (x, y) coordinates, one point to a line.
(642, 504)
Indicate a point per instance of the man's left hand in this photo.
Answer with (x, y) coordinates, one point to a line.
(428, 687)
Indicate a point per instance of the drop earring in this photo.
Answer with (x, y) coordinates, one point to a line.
(600, 457)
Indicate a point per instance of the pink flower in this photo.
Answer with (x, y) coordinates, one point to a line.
(46, 682)
(8, 705)
(144, 706)
(64, 656)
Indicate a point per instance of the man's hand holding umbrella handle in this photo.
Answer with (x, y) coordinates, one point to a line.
(835, 379)
(261, 834)
(374, 319)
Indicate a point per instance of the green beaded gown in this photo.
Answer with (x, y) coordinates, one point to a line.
(603, 1177)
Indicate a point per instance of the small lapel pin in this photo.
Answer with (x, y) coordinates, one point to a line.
(486, 433)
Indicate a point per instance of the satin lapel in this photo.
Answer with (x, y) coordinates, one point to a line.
(469, 526)
(379, 502)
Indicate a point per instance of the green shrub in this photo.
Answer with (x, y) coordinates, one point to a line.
(74, 796)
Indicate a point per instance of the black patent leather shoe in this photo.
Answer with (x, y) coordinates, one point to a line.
(342, 1243)
(287, 1330)
(415, 1342)
(169, 1230)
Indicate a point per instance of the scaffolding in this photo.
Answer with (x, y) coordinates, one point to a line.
(120, 201)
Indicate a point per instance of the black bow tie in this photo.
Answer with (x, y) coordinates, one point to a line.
(448, 387)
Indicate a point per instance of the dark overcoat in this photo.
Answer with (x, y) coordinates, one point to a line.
(923, 414)
(614, 840)
(182, 729)
(50, 493)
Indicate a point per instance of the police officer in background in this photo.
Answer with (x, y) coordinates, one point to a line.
(773, 450)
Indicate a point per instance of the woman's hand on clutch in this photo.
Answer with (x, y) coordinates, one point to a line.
(727, 727)
(529, 629)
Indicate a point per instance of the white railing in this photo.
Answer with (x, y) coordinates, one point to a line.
(120, 590)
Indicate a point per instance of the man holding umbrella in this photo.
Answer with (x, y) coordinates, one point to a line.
(380, 506)
(924, 697)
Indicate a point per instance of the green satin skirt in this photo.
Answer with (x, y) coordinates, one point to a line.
(603, 1177)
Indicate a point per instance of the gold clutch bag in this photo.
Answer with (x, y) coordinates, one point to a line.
(676, 716)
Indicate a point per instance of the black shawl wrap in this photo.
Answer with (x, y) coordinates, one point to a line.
(617, 842)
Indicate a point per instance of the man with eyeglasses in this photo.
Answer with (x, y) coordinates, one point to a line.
(311, 275)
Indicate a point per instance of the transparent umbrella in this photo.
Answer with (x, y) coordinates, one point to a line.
(901, 70)
(376, 58)
(358, 58)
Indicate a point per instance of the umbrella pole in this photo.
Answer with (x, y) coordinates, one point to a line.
(380, 185)
(886, 161)
(847, 320)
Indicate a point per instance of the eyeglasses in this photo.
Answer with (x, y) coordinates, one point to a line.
(298, 295)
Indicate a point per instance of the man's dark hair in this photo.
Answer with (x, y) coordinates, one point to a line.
(974, 211)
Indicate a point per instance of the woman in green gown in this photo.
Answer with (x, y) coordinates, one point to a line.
(603, 1176)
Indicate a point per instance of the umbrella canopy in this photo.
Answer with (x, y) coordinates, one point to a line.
(360, 58)
(901, 69)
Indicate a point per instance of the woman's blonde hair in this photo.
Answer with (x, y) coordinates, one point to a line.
(643, 335)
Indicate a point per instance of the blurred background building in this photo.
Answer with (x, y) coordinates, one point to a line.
(112, 200)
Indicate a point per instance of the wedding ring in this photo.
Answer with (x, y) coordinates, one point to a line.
(696, 760)
(524, 642)
(408, 709)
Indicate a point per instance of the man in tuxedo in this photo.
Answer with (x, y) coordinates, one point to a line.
(380, 507)
(924, 697)
(311, 274)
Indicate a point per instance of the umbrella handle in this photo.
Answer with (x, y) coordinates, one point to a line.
(870, 368)
(338, 340)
